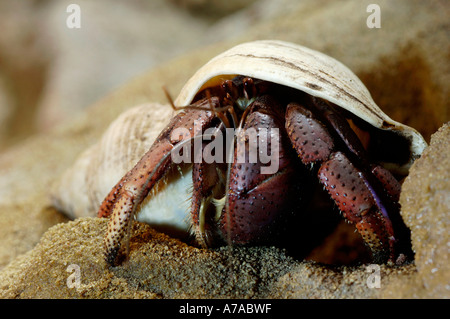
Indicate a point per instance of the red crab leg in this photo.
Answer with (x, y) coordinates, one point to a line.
(353, 189)
(346, 185)
(378, 174)
(123, 200)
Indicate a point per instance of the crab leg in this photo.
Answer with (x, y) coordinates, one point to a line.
(356, 192)
(122, 201)
(349, 190)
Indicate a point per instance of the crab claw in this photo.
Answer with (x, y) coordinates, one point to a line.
(258, 201)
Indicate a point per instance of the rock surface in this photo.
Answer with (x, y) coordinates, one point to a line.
(425, 201)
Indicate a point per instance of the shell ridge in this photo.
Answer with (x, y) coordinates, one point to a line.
(322, 79)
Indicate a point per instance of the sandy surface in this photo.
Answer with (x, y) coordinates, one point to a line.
(161, 267)
(404, 65)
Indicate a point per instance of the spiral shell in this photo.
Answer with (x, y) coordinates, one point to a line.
(81, 189)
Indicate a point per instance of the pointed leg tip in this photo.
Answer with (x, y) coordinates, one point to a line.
(111, 257)
(381, 256)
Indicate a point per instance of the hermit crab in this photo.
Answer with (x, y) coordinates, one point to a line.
(254, 129)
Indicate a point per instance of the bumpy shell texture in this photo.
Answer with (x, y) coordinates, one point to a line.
(82, 188)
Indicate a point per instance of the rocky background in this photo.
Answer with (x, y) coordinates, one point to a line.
(60, 88)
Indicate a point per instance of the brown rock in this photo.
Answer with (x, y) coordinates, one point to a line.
(425, 201)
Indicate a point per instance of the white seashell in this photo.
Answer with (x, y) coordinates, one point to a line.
(81, 189)
(304, 69)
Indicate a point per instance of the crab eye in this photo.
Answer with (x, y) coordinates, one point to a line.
(243, 103)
